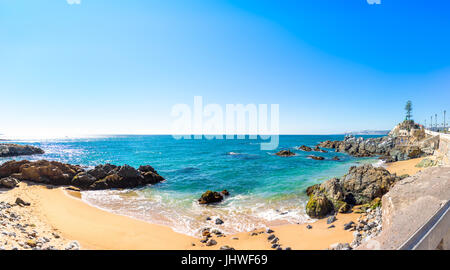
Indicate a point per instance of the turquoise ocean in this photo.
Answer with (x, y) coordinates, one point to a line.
(266, 189)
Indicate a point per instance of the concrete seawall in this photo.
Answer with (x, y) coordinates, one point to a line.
(444, 146)
(409, 205)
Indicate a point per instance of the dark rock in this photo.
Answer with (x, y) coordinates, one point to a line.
(336, 158)
(305, 148)
(271, 237)
(309, 227)
(269, 230)
(316, 157)
(331, 219)
(21, 202)
(210, 197)
(332, 226)
(211, 242)
(12, 150)
(146, 168)
(219, 221)
(285, 153)
(225, 192)
(101, 171)
(318, 206)
(364, 183)
(9, 182)
(349, 225)
(83, 180)
(226, 248)
(274, 246)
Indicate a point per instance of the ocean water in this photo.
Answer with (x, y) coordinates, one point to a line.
(265, 189)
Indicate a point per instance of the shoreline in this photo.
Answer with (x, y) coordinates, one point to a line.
(94, 228)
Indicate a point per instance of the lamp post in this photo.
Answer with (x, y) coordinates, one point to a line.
(435, 119)
(445, 131)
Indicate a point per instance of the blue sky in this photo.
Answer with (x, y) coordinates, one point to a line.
(119, 66)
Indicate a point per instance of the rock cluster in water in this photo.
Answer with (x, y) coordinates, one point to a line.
(12, 150)
(407, 140)
(285, 153)
(361, 185)
(212, 197)
(105, 176)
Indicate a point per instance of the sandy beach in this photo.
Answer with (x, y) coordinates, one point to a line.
(94, 228)
(63, 212)
(405, 166)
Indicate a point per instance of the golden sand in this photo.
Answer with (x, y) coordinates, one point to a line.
(405, 166)
(63, 211)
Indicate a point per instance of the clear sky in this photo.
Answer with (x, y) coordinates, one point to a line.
(119, 66)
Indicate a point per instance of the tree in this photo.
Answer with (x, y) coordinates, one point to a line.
(408, 109)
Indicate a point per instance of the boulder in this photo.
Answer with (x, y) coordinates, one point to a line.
(318, 206)
(305, 148)
(210, 197)
(101, 171)
(316, 157)
(361, 185)
(285, 153)
(364, 183)
(83, 180)
(12, 150)
(8, 182)
(336, 158)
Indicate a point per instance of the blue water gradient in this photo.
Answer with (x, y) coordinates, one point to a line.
(265, 189)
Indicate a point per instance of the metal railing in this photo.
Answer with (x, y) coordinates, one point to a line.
(435, 230)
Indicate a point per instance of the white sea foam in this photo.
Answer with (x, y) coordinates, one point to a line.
(241, 213)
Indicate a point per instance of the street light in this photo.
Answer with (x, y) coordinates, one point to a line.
(445, 131)
(435, 118)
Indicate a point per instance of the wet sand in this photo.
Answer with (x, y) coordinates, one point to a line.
(93, 228)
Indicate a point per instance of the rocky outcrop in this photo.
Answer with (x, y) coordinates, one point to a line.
(212, 197)
(361, 185)
(12, 150)
(105, 176)
(407, 140)
(360, 147)
(285, 153)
